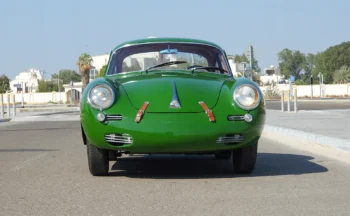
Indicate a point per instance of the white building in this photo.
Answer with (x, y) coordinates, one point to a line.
(234, 66)
(29, 79)
(271, 74)
(237, 68)
(97, 63)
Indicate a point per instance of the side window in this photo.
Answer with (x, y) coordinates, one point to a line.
(223, 62)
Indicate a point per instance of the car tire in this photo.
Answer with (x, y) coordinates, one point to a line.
(225, 155)
(244, 159)
(98, 160)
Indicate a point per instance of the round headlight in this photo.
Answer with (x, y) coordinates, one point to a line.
(101, 97)
(246, 97)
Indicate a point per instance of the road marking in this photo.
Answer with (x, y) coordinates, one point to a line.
(28, 162)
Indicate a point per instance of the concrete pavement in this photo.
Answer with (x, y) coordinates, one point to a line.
(325, 127)
(44, 171)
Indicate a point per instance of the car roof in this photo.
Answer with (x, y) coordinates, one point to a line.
(165, 39)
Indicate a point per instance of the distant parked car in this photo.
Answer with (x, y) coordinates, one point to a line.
(171, 95)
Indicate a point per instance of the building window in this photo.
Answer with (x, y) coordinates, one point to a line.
(93, 73)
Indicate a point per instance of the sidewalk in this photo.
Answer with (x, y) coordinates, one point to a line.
(72, 115)
(327, 127)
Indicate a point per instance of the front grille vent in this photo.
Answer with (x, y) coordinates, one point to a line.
(232, 139)
(118, 139)
(235, 118)
(114, 117)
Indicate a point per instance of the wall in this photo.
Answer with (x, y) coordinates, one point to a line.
(38, 98)
(303, 90)
(328, 89)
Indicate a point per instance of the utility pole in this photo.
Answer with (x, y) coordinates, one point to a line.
(250, 54)
(44, 72)
(22, 93)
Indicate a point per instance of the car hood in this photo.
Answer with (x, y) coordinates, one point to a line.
(161, 88)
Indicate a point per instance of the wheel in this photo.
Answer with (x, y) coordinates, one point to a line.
(225, 155)
(98, 160)
(244, 159)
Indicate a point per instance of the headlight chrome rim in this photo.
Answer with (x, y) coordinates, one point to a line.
(106, 86)
(257, 99)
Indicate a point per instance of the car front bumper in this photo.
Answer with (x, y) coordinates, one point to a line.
(172, 132)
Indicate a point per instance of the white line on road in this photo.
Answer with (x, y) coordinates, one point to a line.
(28, 162)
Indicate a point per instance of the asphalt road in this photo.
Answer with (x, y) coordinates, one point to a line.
(311, 105)
(43, 171)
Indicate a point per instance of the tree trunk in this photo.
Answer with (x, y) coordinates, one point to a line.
(85, 79)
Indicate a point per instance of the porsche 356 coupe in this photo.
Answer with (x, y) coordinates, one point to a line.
(171, 96)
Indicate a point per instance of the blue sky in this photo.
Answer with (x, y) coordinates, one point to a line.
(50, 35)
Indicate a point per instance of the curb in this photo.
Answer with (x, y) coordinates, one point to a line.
(48, 109)
(5, 120)
(316, 100)
(45, 119)
(312, 138)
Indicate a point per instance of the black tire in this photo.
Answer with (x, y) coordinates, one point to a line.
(98, 160)
(225, 155)
(244, 159)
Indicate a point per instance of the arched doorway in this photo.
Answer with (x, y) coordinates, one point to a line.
(73, 95)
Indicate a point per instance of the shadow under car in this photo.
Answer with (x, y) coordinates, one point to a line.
(194, 167)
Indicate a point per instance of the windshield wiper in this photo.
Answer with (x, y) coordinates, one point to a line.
(166, 64)
(210, 67)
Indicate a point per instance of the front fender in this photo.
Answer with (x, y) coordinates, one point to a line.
(121, 105)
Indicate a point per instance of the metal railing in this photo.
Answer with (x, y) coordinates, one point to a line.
(10, 100)
(286, 95)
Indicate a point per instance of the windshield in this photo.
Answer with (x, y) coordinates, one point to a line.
(145, 56)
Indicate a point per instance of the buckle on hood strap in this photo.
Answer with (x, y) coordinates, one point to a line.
(141, 112)
(207, 111)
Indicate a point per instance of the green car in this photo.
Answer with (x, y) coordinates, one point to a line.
(171, 96)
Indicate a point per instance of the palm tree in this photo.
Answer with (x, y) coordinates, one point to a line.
(84, 65)
(342, 75)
